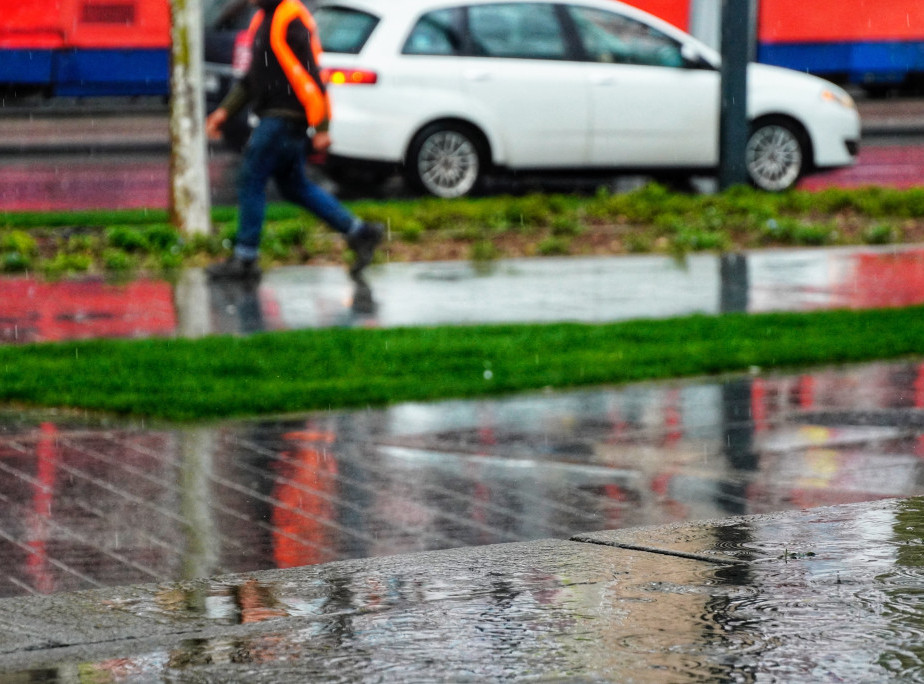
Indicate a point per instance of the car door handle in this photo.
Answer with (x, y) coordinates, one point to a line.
(478, 76)
(605, 80)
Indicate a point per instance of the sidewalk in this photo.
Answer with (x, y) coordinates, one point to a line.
(548, 289)
(828, 595)
(523, 494)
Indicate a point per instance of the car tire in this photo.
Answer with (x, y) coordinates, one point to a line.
(776, 154)
(447, 160)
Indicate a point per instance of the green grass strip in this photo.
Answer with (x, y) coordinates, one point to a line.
(274, 373)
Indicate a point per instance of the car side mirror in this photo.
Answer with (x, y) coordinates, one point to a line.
(694, 59)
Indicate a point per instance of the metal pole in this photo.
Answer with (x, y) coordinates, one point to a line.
(737, 34)
(705, 20)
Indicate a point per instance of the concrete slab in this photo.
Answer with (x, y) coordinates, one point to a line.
(831, 594)
(840, 533)
(438, 608)
(826, 595)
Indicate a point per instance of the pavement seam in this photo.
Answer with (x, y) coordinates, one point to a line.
(719, 560)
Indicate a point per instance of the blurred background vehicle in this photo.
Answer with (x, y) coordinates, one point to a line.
(451, 92)
(878, 46)
(84, 48)
(226, 55)
(100, 47)
(103, 48)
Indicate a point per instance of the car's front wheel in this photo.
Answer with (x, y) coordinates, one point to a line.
(446, 160)
(776, 155)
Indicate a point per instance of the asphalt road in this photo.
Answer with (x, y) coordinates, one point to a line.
(106, 156)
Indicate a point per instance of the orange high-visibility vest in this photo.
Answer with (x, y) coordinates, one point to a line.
(312, 94)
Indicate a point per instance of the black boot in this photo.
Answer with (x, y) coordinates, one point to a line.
(363, 242)
(234, 268)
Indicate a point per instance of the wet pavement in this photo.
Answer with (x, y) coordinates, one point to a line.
(330, 486)
(829, 595)
(276, 549)
(594, 289)
(88, 505)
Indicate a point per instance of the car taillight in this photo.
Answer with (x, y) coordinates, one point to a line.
(349, 76)
(240, 59)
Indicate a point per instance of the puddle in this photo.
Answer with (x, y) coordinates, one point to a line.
(88, 506)
(518, 290)
(851, 610)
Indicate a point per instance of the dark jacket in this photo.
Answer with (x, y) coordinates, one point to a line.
(284, 78)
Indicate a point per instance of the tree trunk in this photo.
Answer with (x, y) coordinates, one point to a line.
(190, 207)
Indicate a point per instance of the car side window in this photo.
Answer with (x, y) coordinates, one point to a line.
(525, 31)
(435, 33)
(342, 29)
(612, 38)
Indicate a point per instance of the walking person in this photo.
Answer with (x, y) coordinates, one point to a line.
(284, 85)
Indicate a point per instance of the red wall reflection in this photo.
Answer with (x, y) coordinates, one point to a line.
(306, 490)
(888, 279)
(37, 311)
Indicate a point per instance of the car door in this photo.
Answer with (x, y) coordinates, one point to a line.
(522, 75)
(649, 105)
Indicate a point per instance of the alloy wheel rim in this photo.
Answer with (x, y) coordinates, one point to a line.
(448, 164)
(774, 158)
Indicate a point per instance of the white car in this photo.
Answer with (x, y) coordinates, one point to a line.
(450, 90)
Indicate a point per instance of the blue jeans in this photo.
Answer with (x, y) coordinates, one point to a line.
(277, 149)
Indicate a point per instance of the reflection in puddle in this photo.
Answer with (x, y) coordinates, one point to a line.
(32, 310)
(518, 290)
(86, 507)
(846, 585)
(832, 597)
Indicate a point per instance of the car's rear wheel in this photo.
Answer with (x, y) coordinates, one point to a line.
(776, 155)
(447, 160)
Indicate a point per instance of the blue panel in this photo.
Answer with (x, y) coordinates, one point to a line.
(26, 66)
(885, 62)
(113, 72)
(862, 63)
(815, 58)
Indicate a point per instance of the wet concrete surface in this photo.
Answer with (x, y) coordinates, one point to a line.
(275, 547)
(109, 178)
(595, 289)
(827, 595)
(89, 505)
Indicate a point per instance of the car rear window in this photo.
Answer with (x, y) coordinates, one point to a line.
(343, 29)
